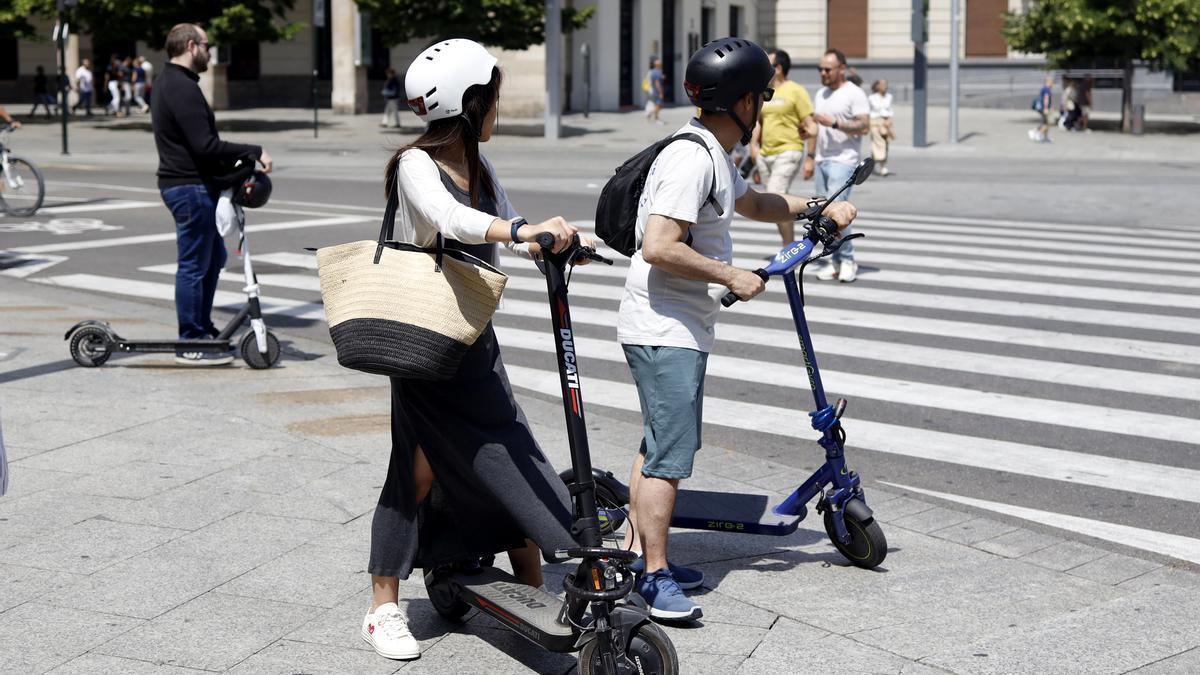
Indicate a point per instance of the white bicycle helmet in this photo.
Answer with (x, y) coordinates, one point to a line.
(439, 77)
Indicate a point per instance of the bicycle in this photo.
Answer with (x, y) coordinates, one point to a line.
(23, 188)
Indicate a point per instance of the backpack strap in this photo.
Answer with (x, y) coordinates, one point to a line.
(712, 197)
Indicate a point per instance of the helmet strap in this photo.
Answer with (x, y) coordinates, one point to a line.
(747, 132)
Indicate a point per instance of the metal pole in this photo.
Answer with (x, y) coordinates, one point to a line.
(62, 75)
(920, 74)
(318, 23)
(586, 53)
(954, 31)
(553, 118)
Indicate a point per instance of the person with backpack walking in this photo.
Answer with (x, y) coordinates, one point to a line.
(679, 226)
(466, 477)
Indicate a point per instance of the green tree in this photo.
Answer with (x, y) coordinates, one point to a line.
(149, 20)
(1164, 34)
(508, 24)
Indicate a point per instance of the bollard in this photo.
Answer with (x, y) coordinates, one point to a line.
(1137, 126)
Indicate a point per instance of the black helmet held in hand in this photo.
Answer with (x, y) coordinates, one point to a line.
(254, 191)
(723, 71)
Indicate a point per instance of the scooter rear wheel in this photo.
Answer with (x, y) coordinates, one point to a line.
(867, 547)
(649, 649)
(443, 600)
(91, 346)
(254, 358)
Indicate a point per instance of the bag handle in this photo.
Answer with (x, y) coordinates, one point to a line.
(387, 230)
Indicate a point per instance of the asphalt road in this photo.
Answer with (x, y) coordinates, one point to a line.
(1049, 363)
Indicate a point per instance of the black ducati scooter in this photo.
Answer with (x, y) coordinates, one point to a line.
(612, 637)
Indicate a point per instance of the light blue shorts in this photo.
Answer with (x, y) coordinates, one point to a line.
(670, 385)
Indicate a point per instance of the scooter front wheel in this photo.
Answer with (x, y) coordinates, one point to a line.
(253, 357)
(443, 599)
(650, 651)
(91, 346)
(867, 547)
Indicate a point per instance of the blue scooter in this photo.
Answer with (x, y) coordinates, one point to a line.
(849, 522)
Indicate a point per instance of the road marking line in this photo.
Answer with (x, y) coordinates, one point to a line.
(115, 205)
(1091, 377)
(313, 311)
(306, 261)
(1022, 409)
(1066, 239)
(1026, 460)
(1009, 225)
(28, 263)
(284, 202)
(1173, 545)
(170, 236)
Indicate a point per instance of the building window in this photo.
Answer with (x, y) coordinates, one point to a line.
(10, 68)
(735, 21)
(244, 63)
(707, 17)
(846, 27)
(984, 26)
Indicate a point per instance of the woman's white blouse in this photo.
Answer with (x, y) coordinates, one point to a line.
(427, 207)
(881, 105)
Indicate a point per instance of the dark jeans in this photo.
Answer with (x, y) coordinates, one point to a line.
(85, 100)
(201, 253)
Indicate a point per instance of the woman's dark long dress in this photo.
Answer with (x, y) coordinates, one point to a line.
(493, 487)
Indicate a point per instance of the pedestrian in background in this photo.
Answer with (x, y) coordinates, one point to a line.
(1085, 103)
(843, 116)
(655, 87)
(85, 85)
(112, 82)
(126, 71)
(41, 93)
(881, 124)
(391, 97)
(777, 145)
(139, 84)
(147, 68)
(190, 154)
(1041, 134)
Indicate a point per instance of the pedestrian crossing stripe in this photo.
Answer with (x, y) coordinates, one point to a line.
(1021, 226)
(1024, 409)
(1173, 545)
(1121, 239)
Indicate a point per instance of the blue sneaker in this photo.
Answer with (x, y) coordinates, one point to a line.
(664, 598)
(686, 577)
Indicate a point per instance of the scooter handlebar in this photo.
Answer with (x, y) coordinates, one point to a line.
(576, 251)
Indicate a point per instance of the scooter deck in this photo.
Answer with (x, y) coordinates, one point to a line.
(731, 512)
(507, 596)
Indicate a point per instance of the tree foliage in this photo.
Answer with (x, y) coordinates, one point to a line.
(150, 20)
(1162, 33)
(508, 24)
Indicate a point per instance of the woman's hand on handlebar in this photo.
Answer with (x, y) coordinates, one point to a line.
(562, 230)
(588, 243)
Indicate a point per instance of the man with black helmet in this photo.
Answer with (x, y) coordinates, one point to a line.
(190, 156)
(672, 293)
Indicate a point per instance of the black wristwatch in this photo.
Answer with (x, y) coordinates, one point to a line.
(516, 225)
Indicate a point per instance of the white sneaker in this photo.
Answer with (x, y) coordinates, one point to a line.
(885, 171)
(386, 630)
(1033, 134)
(827, 272)
(847, 271)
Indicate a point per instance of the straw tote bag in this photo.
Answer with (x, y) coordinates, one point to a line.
(401, 310)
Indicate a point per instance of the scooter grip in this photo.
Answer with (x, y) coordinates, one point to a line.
(545, 240)
(731, 297)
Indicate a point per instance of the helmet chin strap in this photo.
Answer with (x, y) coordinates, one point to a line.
(747, 132)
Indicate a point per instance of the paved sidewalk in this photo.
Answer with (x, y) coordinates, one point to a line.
(166, 520)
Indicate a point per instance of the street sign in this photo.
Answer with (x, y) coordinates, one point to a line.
(319, 13)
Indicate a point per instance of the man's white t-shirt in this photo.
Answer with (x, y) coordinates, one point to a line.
(84, 77)
(662, 309)
(843, 104)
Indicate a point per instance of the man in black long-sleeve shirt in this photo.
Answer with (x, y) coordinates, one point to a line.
(190, 154)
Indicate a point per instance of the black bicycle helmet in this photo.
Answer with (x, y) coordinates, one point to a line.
(254, 191)
(725, 70)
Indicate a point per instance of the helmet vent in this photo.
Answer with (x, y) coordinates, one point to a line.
(435, 104)
(428, 58)
(718, 53)
(430, 92)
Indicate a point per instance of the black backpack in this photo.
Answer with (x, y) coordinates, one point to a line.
(617, 210)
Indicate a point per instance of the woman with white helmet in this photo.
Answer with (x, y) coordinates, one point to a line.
(466, 477)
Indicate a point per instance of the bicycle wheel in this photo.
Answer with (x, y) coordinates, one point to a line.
(23, 188)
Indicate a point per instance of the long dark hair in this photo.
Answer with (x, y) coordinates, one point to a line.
(465, 128)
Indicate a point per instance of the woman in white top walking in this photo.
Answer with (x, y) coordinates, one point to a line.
(466, 478)
(881, 124)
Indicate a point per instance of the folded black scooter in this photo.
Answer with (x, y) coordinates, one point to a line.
(612, 637)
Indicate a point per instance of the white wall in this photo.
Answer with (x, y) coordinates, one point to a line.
(889, 29)
(800, 28)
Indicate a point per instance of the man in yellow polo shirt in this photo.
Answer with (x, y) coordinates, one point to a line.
(777, 146)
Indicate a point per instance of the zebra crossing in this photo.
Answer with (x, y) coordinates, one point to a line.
(1047, 372)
